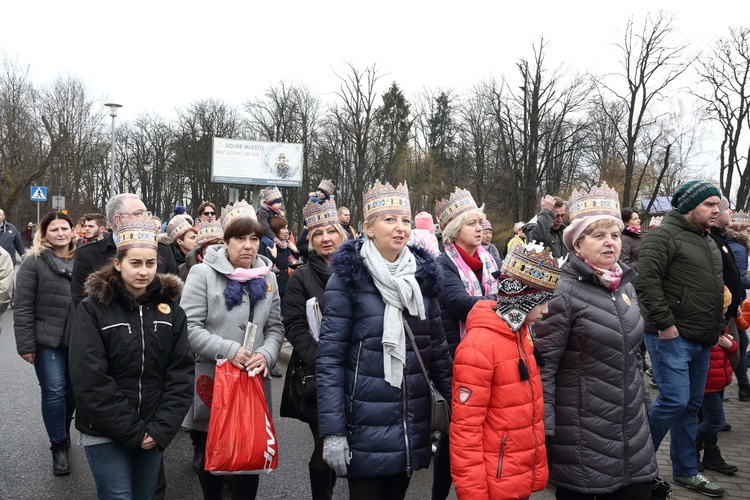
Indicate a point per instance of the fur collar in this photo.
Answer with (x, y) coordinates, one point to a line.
(740, 238)
(97, 286)
(349, 265)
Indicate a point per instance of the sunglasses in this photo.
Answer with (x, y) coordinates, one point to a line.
(209, 213)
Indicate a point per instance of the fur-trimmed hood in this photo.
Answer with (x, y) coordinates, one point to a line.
(350, 266)
(740, 238)
(164, 287)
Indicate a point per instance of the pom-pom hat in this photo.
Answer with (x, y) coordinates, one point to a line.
(239, 210)
(585, 208)
(384, 199)
(460, 201)
(137, 232)
(319, 214)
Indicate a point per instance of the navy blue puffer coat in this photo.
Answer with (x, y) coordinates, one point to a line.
(388, 428)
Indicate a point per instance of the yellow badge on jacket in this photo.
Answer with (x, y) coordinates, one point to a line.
(164, 308)
(625, 298)
(268, 286)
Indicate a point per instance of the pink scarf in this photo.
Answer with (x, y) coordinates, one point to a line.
(609, 278)
(243, 275)
(633, 229)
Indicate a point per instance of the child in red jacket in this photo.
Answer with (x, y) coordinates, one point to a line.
(719, 377)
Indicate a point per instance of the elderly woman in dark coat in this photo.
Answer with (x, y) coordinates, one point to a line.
(309, 282)
(598, 437)
(373, 398)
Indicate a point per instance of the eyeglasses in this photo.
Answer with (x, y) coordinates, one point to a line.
(209, 213)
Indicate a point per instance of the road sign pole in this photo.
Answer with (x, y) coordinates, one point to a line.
(37, 213)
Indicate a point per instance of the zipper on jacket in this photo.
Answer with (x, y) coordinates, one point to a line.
(502, 457)
(157, 323)
(143, 358)
(519, 340)
(109, 327)
(624, 388)
(403, 421)
(354, 382)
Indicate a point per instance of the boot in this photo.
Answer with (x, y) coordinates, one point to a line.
(321, 482)
(60, 463)
(713, 460)
(698, 463)
(744, 393)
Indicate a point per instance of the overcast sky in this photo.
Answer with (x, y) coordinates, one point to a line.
(157, 55)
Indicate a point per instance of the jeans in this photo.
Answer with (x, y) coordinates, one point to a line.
(58, 402)
(713, 419)
(124, 473)
(680, 368)
(741, 371)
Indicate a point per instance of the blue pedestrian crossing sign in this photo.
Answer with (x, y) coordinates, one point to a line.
(38, 193)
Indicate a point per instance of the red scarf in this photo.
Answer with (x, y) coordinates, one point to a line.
(473, 261)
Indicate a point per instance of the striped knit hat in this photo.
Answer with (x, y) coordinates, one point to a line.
(693, 193)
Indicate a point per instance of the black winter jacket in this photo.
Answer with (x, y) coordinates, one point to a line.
(130, 362)
(680, 281)
(388, 428)
(594, 396)
(731, 273)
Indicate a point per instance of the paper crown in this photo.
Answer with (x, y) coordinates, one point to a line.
(270, 194)
(319, 214)
(459, 202)
(209, 231)
(239, 210)
(137, 232)
(384, 199)
(740, 219)
(328, 186)
(655, 221)
(533, 266)
(601, 200)
(177, 226)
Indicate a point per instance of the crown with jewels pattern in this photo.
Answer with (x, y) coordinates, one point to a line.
(384, 199)
(209, 231)
(239, 210)
(320, 214)
(270, 194)
(459, 202)
(655, 221)
(328, 186)
(740, 218)
(177, 226)
(532, 266)
(601, 200)
(137, 232)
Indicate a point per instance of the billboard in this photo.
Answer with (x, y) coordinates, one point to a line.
(256, 163)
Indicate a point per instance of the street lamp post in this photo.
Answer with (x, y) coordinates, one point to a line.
(113, 113)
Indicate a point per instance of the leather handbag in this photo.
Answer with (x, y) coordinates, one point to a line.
(304, 391)
(440, 414)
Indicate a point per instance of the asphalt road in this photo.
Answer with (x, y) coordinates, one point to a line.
(26, 462)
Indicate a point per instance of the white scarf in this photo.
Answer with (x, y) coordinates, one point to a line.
(399, 289)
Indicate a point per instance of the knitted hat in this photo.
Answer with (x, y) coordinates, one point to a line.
(693, 193)
(137, 232)
(528, 277)
(208, 231)
(179, 209)
(460, 201)
(384, 199)
(327, 186)
(239, 210)
(423, 220)
(727, 297)
(586, 208)
(486, 225)
(319, 214)
(271, 195)
(723, 204)
(178, 226)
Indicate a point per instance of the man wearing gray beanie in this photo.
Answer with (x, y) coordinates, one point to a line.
(680, 288)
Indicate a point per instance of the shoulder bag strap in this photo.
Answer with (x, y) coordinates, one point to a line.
(415, 348)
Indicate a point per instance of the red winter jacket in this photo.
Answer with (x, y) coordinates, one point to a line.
(720, 368)
(496, 433)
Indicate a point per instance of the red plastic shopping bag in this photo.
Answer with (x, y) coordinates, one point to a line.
(241, 435)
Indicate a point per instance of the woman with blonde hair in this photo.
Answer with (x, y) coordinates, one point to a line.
(42, 321)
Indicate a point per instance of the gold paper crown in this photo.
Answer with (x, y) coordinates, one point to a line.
(655, 221)
(319, 214)
(137, 232)
(601, 200)
(239, 210)
(178, 225)
(209, 231)
(533, 266)
(459, 202)
(384, 199)
(740, 218)
(327, 186)
(270, 194)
